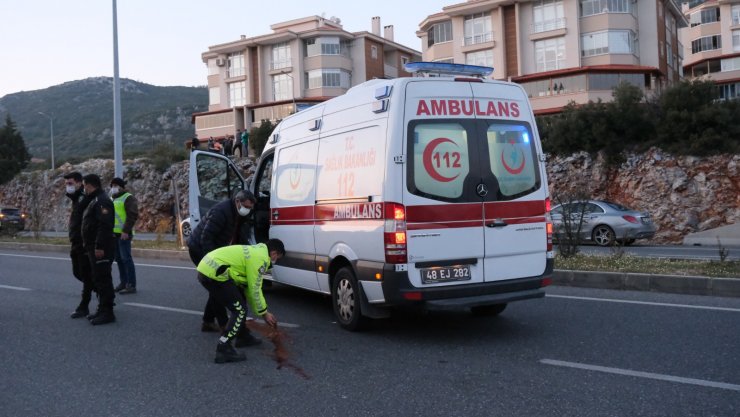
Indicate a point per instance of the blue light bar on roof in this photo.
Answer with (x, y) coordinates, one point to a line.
(443, 68)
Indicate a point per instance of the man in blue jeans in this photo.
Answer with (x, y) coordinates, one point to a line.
(126, 213)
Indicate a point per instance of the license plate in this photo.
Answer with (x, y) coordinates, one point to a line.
(445, 274)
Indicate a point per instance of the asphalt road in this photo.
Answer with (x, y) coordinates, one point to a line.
(578, 352)
(666, 251)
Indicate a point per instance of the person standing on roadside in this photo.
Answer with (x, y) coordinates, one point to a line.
(99, 244)
(233, 277)
(80, 261)
(227, 223)
(126, 209)
(245, 143)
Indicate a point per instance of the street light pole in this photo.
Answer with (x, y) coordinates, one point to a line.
(117, 139)
(292, 91)
(51, 124)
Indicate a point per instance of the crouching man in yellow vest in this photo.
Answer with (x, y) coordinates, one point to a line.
(233, 277)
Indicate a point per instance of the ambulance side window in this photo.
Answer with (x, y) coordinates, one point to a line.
(512, 157)
(440, 160)
(295, 176)
(217, 180)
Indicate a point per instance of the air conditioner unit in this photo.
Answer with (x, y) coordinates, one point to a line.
(220, 62)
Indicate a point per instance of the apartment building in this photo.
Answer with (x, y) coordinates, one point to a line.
(301, 62)
(712, 42)
(562, 50)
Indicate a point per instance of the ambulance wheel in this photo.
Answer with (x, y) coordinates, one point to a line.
(488, 311)
(345, 296)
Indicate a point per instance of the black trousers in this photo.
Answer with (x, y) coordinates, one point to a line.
(213, 310)
(227, 295)
(102, 278)
(82, 271)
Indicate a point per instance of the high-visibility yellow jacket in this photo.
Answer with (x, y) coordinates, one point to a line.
(243, 264)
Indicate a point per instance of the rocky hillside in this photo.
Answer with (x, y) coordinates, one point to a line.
(683, 194)
(83, 117)
(41, 193)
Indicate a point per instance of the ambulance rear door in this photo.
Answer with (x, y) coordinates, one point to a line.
(444, 215)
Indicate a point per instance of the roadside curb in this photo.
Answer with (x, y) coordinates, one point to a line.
(136, 253)
(677, 284)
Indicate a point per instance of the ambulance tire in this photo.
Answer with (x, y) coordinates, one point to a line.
(345, 295)
(488, 311)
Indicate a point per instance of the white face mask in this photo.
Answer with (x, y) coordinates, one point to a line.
(114, 190)
(243, 211)
(71, 189)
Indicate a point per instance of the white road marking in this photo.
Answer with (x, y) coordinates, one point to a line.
(611, 300)
(639, 374)
(9, 287)
(193, 312)
(192, 268)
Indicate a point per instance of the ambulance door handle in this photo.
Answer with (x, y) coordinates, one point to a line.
(275, 215)
(497, 223)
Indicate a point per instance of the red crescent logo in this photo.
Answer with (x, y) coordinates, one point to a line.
(429, 165)
(513, 171)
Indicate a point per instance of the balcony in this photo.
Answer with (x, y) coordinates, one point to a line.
(476, 39)
(280, 64)
(548, 25)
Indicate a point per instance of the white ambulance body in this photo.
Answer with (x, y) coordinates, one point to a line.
(427, 190)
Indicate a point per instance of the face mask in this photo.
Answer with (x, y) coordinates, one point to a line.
(71, 189)
(243, 211)
(114, 190)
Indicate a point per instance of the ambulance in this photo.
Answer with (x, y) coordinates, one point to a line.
(428, 190)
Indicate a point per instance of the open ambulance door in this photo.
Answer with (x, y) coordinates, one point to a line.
(212, 178)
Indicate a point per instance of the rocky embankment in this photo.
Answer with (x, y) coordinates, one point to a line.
(41, 193)
(683, 194)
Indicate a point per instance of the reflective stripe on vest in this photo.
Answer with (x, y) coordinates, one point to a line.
(120, 213)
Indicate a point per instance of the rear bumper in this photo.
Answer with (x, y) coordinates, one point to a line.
(398, 290)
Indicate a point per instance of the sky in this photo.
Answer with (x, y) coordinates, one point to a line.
(49, 42)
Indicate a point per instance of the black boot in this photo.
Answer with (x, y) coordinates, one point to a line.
(103, 317)
(226, 353)
(80, 311)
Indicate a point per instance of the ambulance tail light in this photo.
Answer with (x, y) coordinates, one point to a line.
(394, 235)
(548, 226)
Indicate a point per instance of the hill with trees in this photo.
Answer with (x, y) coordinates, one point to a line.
(151, 116)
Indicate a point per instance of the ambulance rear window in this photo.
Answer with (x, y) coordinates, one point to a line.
(440, 159)
(512, 157)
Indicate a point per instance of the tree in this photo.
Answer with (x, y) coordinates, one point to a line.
(258, 136)
(13, 152)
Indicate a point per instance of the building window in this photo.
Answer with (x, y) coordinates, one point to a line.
(612, 81)
(706, 43)
(236, 65)
(609, 42)
(445, 60)
(557, 85)
(549, 54)
(592, 7)
(548, 15)
(736, 40)
(373, 52)
(440, 32)
(736, 14)
(327, 45)
(212, 66)
(404, 61)
(478, 28)
(281, 56)
(482, 58)
(704, 16)
(729, 91)
(331, 78)
(282, 87)
(731, 64)
(214, 95)
(237, 94)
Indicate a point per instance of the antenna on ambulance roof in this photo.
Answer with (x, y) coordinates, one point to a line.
(438, 69)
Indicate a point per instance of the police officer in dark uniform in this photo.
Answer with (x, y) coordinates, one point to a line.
(80, 261)
(99, 243)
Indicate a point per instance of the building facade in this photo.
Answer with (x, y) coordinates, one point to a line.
(301, 62)
(562, 50)
(712, 43)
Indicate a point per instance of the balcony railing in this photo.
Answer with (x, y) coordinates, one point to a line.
(475, 39)
(546, 25)
(283, 63)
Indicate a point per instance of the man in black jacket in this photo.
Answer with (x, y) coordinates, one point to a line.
(80, 261)
(227, 223)
(99, 243)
